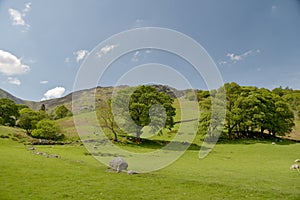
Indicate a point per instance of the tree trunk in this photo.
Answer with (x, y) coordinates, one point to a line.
(138, 136)
(28, 132)
(115, 136)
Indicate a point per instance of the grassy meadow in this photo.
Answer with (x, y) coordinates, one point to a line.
(249, 170)
(245, 169)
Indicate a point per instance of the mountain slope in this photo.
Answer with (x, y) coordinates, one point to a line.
(4, 94)
(83, 97)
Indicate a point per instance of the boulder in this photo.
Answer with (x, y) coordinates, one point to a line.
(53, 156)
(31, 148)
(118, 164)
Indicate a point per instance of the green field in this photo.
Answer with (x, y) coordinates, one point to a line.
(242, 170)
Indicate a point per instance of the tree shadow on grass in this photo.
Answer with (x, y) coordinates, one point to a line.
(159, 144)
(272, 140)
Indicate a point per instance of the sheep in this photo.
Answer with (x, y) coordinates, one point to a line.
(297, 160)
(295, 166)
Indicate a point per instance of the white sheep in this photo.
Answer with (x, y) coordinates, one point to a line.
(295, 166)
(297, 160)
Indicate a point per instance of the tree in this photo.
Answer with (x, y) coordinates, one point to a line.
(250, 112)
(47, 129)
(147, 107)
(61, 112)
(232, 91)
(8, 112)
(283, 120)
(21, 106)
(43, 108)
(28, 120)
(211, 121)
(106, 118)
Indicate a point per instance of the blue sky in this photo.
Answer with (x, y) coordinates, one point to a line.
(43, 43)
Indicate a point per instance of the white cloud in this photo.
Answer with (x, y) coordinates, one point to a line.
(235, 58)
(13, 80)
(11, 65)
(27, 8)
(17, 17)
(274, 8)
(44, 82)
(80, 54)
(135, 57)
(56, 92)
(223, 62)
(105, 50)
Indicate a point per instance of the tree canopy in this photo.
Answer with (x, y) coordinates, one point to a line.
(47, 129)
(28, 119)
(250, 112)
(8, 112)
(146, 107)
(62, 111)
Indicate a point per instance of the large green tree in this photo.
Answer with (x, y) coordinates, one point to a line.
(8, 112)
(146, 107)
(28, 119)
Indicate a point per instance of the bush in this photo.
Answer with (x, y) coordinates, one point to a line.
(61, 112)
(47, 129)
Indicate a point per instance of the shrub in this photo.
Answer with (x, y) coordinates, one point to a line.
(47, 129)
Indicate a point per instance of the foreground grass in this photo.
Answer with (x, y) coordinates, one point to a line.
(231, 171)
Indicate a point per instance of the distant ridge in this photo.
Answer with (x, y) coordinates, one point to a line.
(101, 93)
(4, 94)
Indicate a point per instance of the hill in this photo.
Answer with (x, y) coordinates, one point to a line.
(83, 96)
(4, 94)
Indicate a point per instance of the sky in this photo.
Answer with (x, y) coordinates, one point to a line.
(44, 44)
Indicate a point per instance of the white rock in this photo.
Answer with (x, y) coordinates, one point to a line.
(118, 164)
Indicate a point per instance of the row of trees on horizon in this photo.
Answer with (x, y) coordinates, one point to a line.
(242, 112)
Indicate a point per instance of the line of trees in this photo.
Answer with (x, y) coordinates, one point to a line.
(251, 112)
(38, 124)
